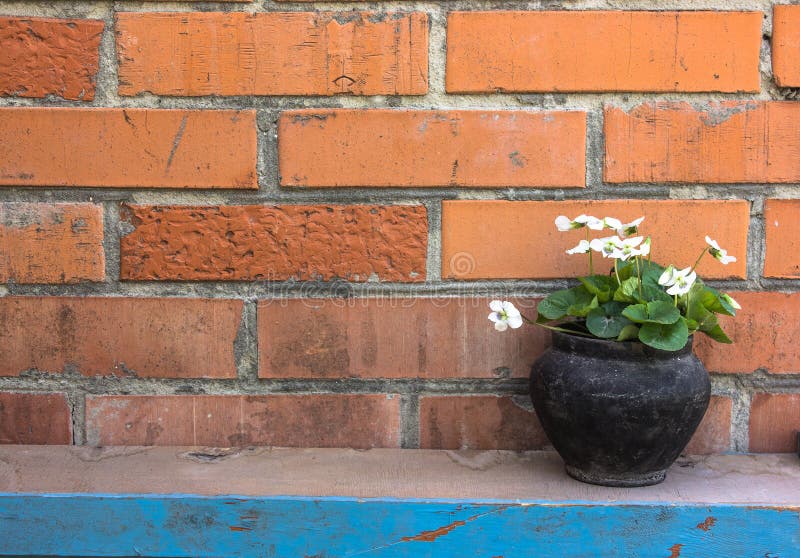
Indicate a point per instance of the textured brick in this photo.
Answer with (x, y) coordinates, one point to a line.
(603, 51)
(730, 141)
(774, 422)
(49, 57)
(764, 334)
(358, 421)
(321, 148)
(128, 148)
(34, 418)
(786, 45)
(354, 242)
(782, 232)
(480, 422)
(392, 338)
(714, 433)
(51, 243)
(143, 337)
(518, 240)
(296, 53)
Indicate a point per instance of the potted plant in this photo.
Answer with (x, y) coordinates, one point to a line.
(620, 393)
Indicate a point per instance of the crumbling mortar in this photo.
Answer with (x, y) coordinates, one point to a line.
(409, 421)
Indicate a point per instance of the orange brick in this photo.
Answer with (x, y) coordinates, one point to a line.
(786, 45)
(321, 148)
(782, 228)
(51, 243)
(603, 51)
(480, 422)
(254, 242)
(518, 240)
(392, 338)
(43, 56)
(128, 148)
(358, 421)
(298, 53)
(764, 336)
(714, 433)
(142, 337)
(35, 418)
(730, 141)
(774, 422)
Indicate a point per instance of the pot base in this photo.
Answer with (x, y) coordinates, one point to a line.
(623, 479)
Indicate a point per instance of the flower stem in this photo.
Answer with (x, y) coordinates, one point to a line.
(639, 275)
(591, 266)
(700, 257)
(570, 331)
(616, 272)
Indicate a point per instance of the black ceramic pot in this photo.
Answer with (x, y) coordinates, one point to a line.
(619, 414)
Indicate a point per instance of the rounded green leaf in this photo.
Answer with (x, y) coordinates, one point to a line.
(630, 331)
(606, 321)
(568, 301)
(636, 313)
(661, 312)
(667, 337)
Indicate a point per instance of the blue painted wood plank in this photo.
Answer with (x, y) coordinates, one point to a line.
(187, 525)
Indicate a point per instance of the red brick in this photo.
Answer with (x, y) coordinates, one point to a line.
(774, 422)
(480, 422)
(782, 230)
(730, 141)
(304, 242)
(714, 433)
(518, 240)
(43, 56)
(786, 45)
(51, 243)
(298, 53)
(358, 421)
(603, 51)
(764, 335)
(144, 337)
(392, 338)
(329, 147)
(121, 148)
(35, 418)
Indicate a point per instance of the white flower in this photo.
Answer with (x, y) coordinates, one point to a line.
(563, 223)
(592, 222)
(608, 246)
(611, 223)
(644, 249)
(729, 299)
(719, 253)
(679, 282)
(627, 248)
(504, 314)
(630, 228)
(582, 247)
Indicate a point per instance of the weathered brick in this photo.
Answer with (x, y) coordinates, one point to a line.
(730, 141)
(782, 232)
(518, 240)
(392, 338)
(51, 243)
(714, 433)
(330, 147)
(764, 335)
(358, 421)
(786, 45)
(34, 418)
(112, 148)
(42, 56)
(603, 51)
(304, 242)
(480, 422)
(141, 337)
(774, 422)
(297, 53)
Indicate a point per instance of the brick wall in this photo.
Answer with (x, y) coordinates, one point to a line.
(281, 222)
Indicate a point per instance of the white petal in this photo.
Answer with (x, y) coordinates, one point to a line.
(496, 305)
(515, 321)
(668, 277)
(563, 223)
(690, 279)
(582, 247)
(678, 289)
(595, 224)
(633, 242)
(494, 317)
(501, 326)
(582, 219)
(712, 243)
(597, 245)
(727, 259)
(510, 309)
(612, 223)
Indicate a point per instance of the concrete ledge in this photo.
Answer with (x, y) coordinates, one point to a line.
(159, 501)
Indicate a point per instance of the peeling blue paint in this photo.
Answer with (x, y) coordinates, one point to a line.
(189, 525)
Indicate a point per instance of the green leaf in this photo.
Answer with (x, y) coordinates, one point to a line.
(717, 334)
(607, 320)
(628, 291)
(636, 313)
(667, 337)
(600, 286)
(661, 312)
(714, 301)
(567, 301)
(630, 331)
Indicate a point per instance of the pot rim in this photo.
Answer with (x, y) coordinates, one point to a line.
(596, 347)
